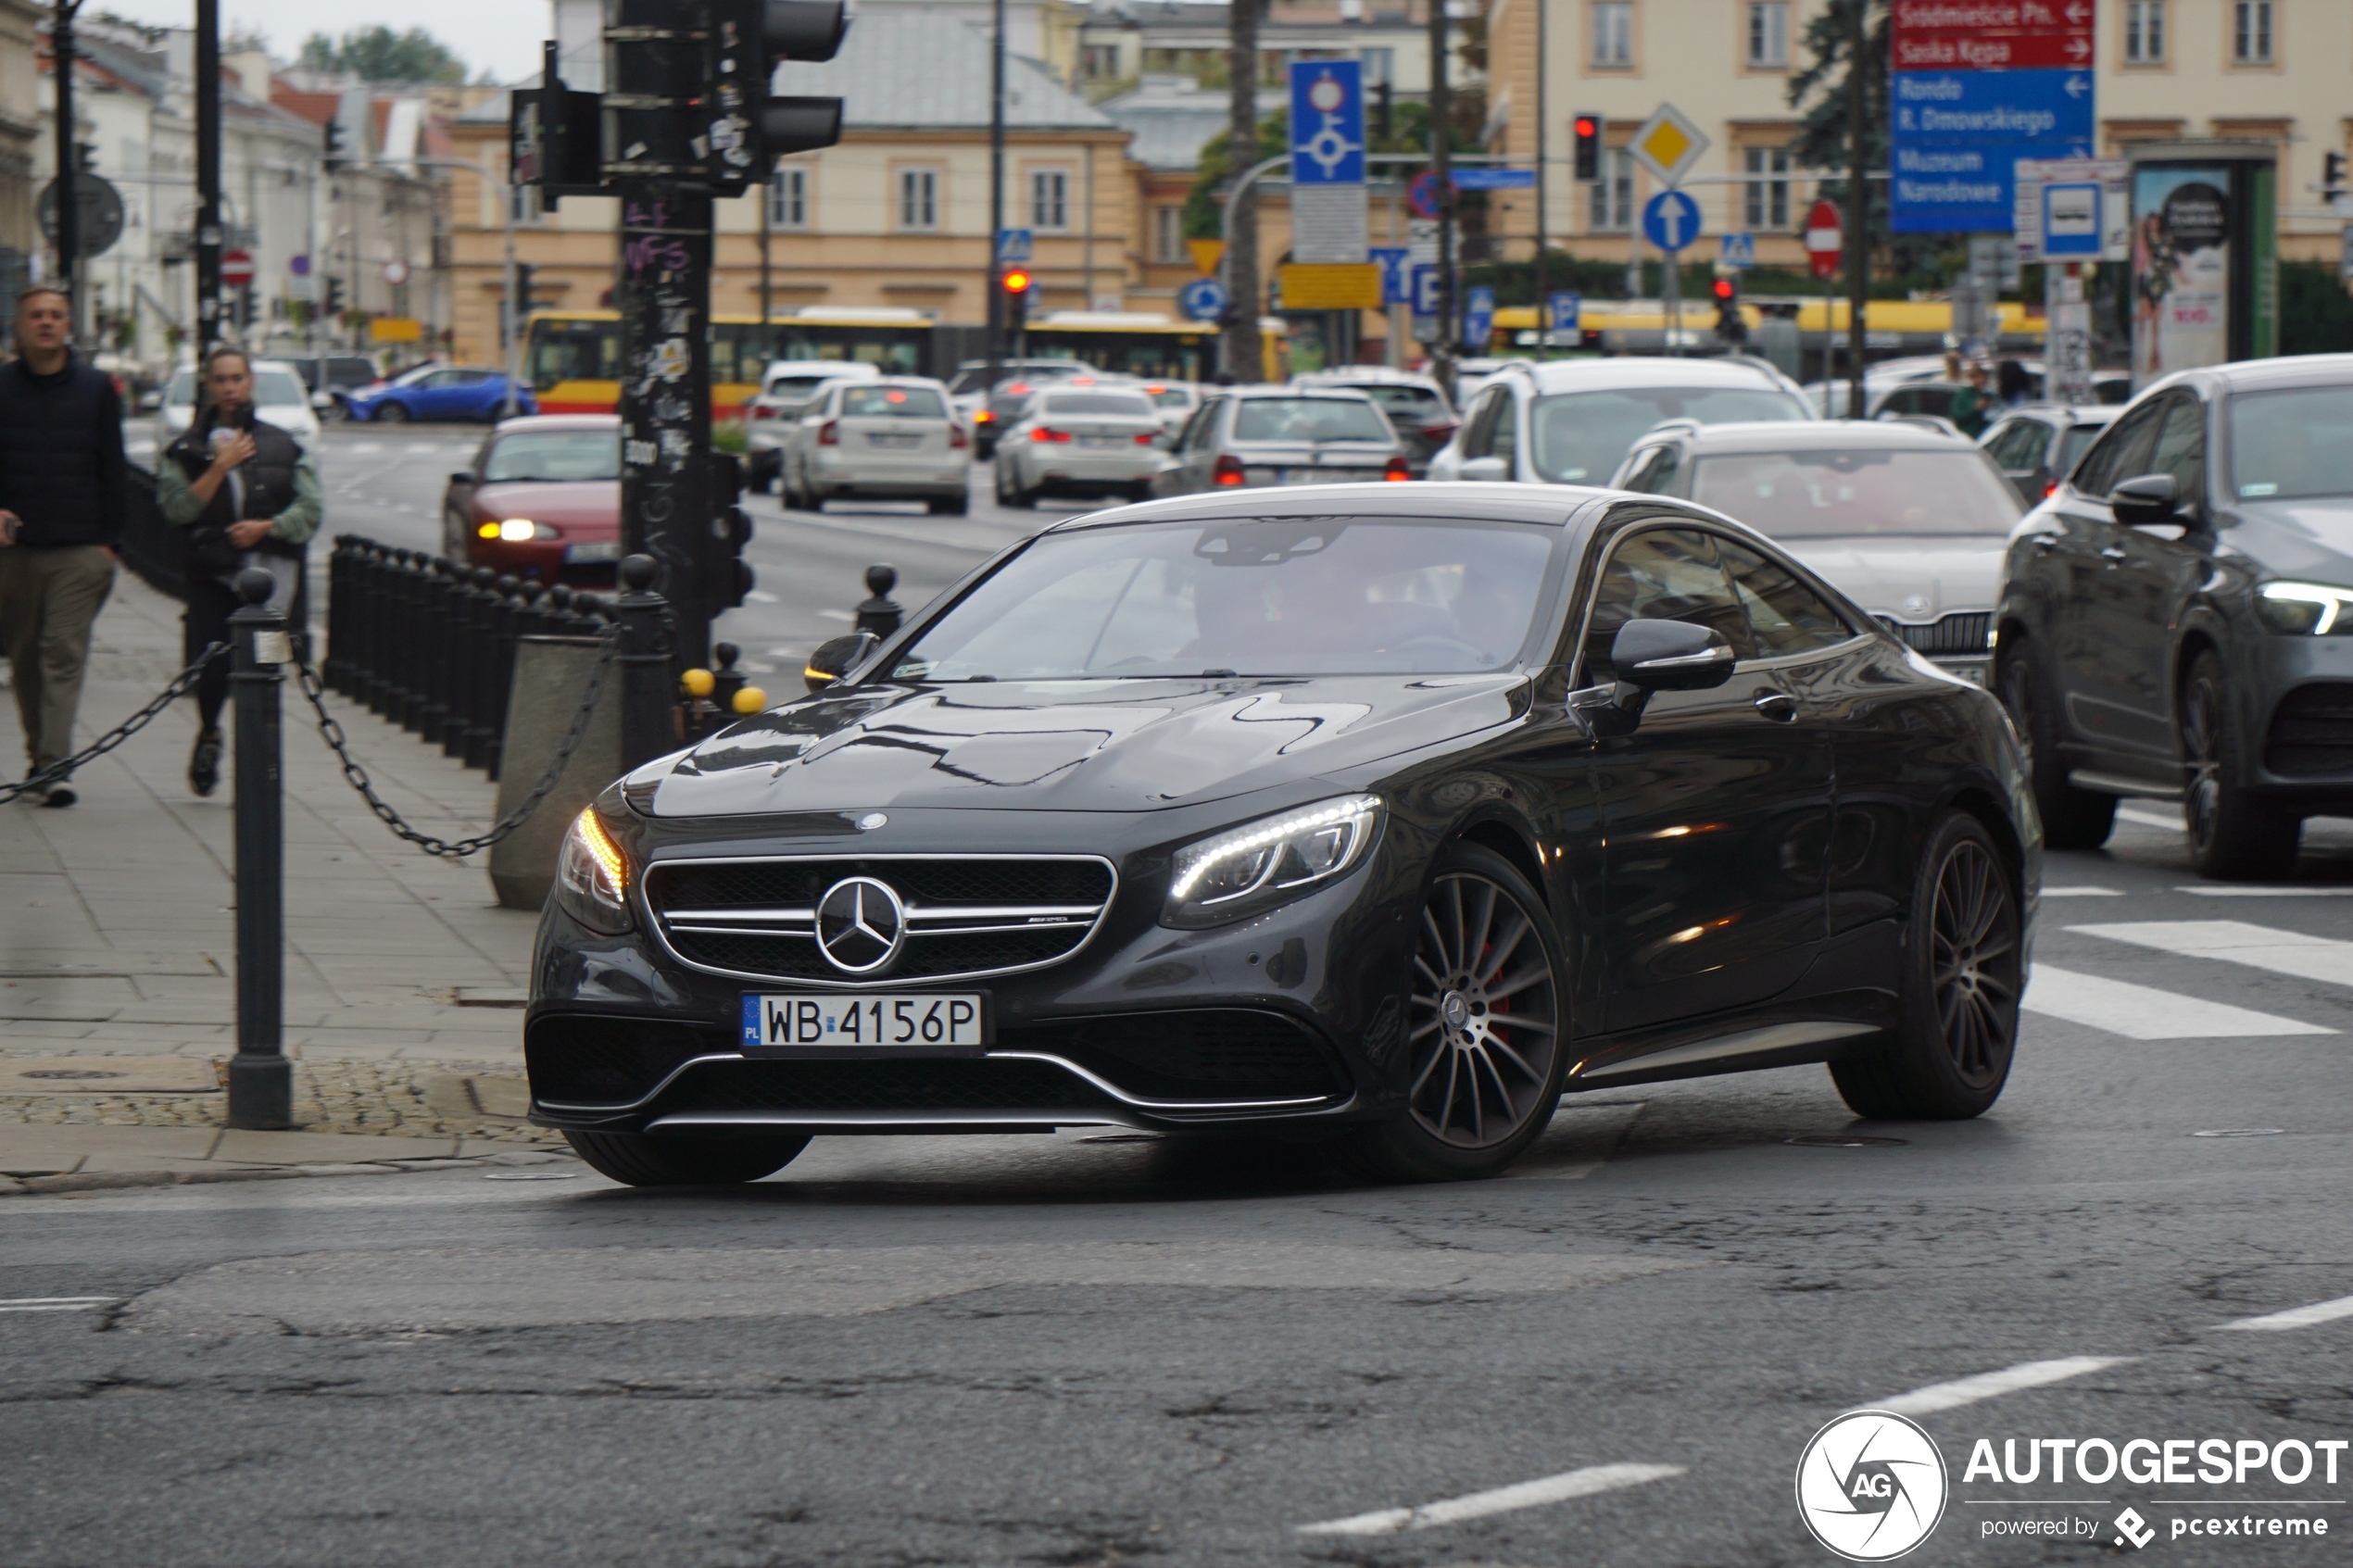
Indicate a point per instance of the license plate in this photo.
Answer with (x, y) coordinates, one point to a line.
(608, 550)
(1315, 476)
(919, 1020)
(895, 443)
(1104, 441)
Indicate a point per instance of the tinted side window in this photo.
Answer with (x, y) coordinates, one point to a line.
(1504, 440)
(1787, 616)
(1661, 574)
(1478, 437)
(2121, 453)
(1655, 470)
(2180, 446)
(1198, 433)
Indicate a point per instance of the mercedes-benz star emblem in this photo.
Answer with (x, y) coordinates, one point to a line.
(860, 925)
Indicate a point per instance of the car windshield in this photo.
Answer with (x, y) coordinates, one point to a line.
(1404, 402)
(1122, 405)
(1309, 419)
(411, 377)
(893, 402)
(553, 457)
(795, 386)
(1581, 436)
(2292, 443)
(1833, 495)
(1247, 596)
(2071, 444)
(1170, 397)
(271, 388)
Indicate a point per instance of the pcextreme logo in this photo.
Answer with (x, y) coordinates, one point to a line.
(1870, 1485)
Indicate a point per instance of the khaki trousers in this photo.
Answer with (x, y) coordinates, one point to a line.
(48, 597)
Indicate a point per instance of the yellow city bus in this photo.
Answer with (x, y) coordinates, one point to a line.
(1890, 326)
(1131, 342)
(572, 358)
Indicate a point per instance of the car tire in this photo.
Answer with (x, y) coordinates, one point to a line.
(1958, 992)
(2073, 818)
(637, 1160)
(1140, 492)
(950, 506)
(391, 413)
(2234, 836)
(1513, 1070)
(795, 497)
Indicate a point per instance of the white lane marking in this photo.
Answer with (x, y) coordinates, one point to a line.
(1986, 1386)
(421, 446)
(364, 448)
(836, 615)
(55, 1303)
(2219, 891)
(2297, 1317)
(2082, 893)
(2143, 1012)
(2323, 959)
(759, 597)
(1503, 1500)
(2148, 819)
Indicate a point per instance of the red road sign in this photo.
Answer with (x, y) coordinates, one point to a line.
(1824, 243)
(236, 269)
(1992, 34)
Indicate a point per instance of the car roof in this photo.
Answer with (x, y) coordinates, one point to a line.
(559, 421)
(819, 368)
(1380, 374)
(1553, 505)
(2066, 413)
(2295, 370)
(1816, 435)
(1284, 389)
(1577, 375)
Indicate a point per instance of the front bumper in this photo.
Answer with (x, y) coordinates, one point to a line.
(591, 561)
(1293, 1019)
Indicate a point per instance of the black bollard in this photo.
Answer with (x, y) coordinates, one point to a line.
(725, 682)
(880, 614)
(260, 1078)
(649, 712)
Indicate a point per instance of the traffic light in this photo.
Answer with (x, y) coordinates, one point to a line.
(746, 129)
(334, 296)
(554, 134)
(2331, 176)
(1384, 118)
(1588, 128)
(1017, 283)
(1729, 326)
(332, 147)
(723, 570)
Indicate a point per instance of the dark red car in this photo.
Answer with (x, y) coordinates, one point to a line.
(543, 500)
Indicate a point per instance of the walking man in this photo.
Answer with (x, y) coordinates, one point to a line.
(61, 510)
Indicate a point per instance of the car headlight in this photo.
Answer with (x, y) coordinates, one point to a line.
(1260, 864)
(592, 876)
(2305, 609)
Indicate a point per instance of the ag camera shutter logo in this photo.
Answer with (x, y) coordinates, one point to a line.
(1870, 1485)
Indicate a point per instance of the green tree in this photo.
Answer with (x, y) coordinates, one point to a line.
(1819, 90)
(378, 54)
(2316, 316)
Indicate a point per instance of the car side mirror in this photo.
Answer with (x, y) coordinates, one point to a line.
(462, 477)
(837, 658)
(1484, 469)
(1672, 655)
(2152, 500)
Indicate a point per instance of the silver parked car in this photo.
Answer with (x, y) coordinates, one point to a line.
(1091, 441)
(1263, 435)
(891, 438)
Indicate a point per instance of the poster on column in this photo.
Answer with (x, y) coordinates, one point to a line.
(2181, 270)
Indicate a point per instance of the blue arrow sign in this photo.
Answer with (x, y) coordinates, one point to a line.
(1478, 318)
(1476, 179)
(1326, 123)
(1396, 287)
(1957, 135)
(1671, 220)
(1565, 311)
(1203, 299)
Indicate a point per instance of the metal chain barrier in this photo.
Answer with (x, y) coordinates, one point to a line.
(356, 777)
(57, 772)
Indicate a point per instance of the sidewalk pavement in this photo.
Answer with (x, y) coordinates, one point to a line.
(405, 980)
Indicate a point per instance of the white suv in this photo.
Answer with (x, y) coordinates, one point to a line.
(1570, 421)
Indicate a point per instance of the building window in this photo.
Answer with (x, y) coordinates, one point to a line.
(1766, 202)
(2251, 32)
(1769, 33)
(919, 198)
(1613, 197)
(1169, 233)
(1050, 198)
(524, 200)
(1098, 62)
(2144, 33)
(1613, 33)
(1381, 65)
(788, 199)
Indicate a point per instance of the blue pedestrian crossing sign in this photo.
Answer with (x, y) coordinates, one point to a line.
(1203, 299)
(1478, 318)
(1739, 252)
(1396, 286)
(1671, 220)
(1012, 244)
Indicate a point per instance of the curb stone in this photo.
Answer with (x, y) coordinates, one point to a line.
(96, 1181)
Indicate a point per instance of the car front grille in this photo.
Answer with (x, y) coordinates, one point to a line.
(967, 916)
(2312, 732)
(1960, 634)
(933, 1083)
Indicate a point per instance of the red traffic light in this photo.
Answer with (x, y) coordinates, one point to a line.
(1726, 288)
(1017, 281)
(1587, 126)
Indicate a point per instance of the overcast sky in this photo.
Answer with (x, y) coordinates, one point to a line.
(499, 36)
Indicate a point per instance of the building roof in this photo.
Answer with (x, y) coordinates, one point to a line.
(1172, 118)
(907, 70)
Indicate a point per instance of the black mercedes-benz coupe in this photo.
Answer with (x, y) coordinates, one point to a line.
(1375, 814)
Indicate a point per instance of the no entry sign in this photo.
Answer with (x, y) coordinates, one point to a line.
(1824, 243)
(236, 268)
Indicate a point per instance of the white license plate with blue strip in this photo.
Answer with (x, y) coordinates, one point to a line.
(918, 1020)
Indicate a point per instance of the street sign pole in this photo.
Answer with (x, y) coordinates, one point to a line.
(68, 203)
(1441, 356)
(208, 236)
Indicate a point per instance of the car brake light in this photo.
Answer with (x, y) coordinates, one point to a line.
(956, 436)
(829, 433)
(1042, 433)
(1146, 437)
(1396, 470)
(1440, 430)
(2050, 489)
(1017, 389)
(760, 413)
(982, 417)
(1228, 471)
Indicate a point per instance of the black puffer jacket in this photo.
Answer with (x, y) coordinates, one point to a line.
(61, 464)
(268, 477)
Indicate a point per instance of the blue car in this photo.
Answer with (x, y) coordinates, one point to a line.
(438, 392)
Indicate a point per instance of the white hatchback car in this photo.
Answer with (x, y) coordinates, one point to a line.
(890, 438)
(1091, 441)
(786, 388)
(278, 398)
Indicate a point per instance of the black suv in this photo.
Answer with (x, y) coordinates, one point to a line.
(2177, 618)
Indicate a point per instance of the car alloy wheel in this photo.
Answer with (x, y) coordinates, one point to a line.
(1973, 960)
(391, 413)
(2232, 835)
(1486, 1015)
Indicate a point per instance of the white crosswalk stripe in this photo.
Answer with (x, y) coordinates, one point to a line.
(2143, 1013)
(2323, 959)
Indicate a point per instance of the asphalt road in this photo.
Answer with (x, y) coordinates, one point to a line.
(1079, 1349)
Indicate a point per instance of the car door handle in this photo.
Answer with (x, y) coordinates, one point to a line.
(1778, 705)
(2045, 544)
(2113, 552)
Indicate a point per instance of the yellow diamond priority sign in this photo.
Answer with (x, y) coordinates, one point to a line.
(1667, 145)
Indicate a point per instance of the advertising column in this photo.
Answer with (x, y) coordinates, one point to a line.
(2205, 265)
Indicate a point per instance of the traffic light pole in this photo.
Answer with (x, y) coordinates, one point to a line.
(208, 235)
(665, 395)
(69, 189)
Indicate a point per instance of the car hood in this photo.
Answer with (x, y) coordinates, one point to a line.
(1915, 579)
(586, 503)
(2310, 539)
(1092, 746)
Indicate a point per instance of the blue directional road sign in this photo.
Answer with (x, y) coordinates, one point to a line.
(1396, 285)
(1326, 123)
(1423, 290)
(1475, 177)
(1203, 299)
(1565, 311)
(1957, 136)
(1478, 316)
(1739, 252)
(1012, 244)
(1671, 220)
